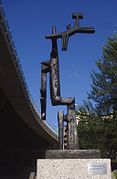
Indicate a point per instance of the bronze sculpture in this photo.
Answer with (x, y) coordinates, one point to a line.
(52, 66)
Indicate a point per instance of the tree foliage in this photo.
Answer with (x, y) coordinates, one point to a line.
(104, 82)
(97, 132)
(98, 123)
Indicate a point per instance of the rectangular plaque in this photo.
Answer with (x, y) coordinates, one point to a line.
(97, 168)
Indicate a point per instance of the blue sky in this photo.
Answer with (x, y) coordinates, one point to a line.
(31, 20)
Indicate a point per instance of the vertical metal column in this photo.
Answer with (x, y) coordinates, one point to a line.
(43, 95)
(61, 129)
(45, 68)
(72, 128)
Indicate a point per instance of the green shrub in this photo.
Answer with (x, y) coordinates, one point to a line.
(114, 161)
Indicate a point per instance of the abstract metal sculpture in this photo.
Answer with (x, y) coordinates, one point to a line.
(52, 66)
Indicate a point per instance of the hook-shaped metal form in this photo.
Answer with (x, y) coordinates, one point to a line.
(71, 31)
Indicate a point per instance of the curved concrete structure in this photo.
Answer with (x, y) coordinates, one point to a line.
(22, 132)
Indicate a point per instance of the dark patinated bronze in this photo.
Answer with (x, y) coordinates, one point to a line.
(68, 121)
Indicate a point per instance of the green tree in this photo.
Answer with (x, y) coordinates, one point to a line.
(98, 122)
(104, 82)
(96, 132)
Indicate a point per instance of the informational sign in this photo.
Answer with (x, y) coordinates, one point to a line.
(97, 168)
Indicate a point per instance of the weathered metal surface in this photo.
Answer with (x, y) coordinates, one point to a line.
(52, 66)
(71, 31)
(61, 129)
(45, 68)
(72, 131)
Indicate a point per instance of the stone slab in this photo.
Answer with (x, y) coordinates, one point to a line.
(73, 169)
(72, 154)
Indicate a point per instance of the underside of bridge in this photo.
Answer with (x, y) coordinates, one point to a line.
(20, 146)
(24, 137)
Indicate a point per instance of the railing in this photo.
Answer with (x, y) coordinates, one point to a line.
(17, 64)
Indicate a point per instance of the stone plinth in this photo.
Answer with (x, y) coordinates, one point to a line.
(72, 154)
(73, 169)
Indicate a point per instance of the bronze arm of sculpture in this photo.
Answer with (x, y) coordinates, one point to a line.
(71, 31)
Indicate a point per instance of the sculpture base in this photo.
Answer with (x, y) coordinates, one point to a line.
(73, 164)
(72, 154)
(73, 169)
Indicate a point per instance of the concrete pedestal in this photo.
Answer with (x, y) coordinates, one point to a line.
(73, 169)
(73, 164)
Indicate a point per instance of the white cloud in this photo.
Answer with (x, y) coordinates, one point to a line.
(74, 75)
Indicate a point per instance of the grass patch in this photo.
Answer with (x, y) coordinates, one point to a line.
(115, 173)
